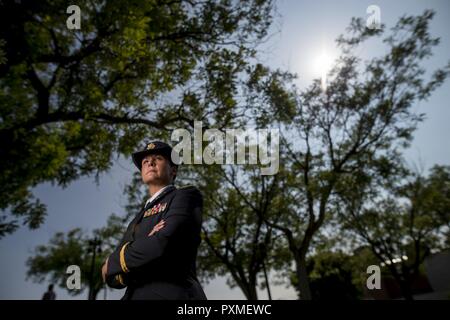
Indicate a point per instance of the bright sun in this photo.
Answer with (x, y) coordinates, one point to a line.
(322, 66)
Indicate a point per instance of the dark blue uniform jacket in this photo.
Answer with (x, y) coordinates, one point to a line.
(161, 266)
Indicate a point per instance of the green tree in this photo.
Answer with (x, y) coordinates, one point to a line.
(362, 117)
(72, 99)
(332, 276)
(49, 262)
(402, 225)
(237, 242)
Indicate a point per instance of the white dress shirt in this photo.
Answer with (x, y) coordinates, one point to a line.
(153, 197)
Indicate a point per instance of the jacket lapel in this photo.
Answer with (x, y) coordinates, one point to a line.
(162, 194)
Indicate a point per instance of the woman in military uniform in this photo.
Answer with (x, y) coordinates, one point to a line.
(157, 257)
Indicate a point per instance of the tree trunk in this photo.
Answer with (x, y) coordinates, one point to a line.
(252, 294)
(248, 288)
(266, 278)
(404, 283)
(303, 281)
(249, 291)
(93, 293)
(406, 290)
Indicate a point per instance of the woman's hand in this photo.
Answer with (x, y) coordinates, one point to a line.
(105, 270)
(156, 228)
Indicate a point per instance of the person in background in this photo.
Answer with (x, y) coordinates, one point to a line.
(50, 294)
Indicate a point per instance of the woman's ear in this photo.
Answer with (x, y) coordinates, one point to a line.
(174, 172)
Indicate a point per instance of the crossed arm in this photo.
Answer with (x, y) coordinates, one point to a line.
(155, 229)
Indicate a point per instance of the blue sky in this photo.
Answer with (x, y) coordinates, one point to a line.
(303, 31)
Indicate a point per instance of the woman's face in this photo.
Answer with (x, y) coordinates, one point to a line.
(157, 170)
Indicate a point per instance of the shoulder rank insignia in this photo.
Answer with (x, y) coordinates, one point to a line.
(160, 207)
(187, 186)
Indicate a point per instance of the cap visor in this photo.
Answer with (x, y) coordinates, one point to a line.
(138, 156)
